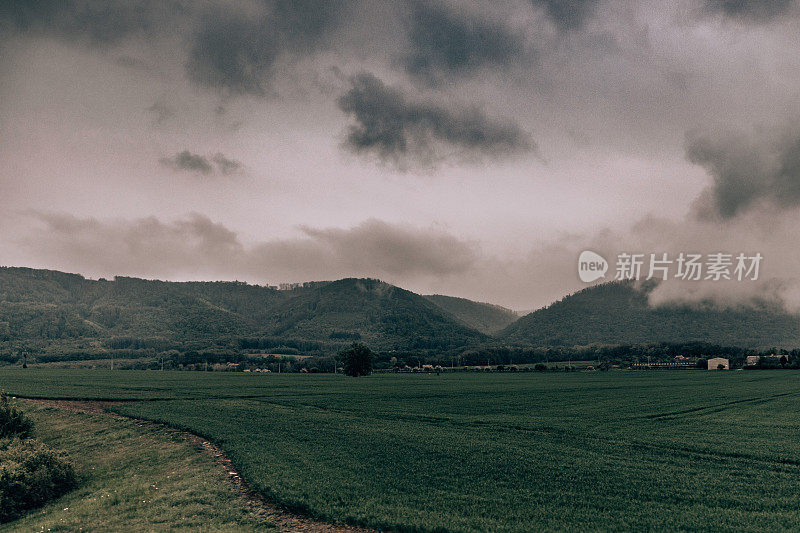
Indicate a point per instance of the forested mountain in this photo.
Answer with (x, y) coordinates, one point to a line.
(378, 313)
(54, 315)
(486, 318)
(618, 313)
(51, 311)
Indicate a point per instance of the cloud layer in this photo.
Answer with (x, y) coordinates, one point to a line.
(197, 246)
(577, 111)
(424, 259)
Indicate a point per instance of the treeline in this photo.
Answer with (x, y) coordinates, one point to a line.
(287, 345)
(627, 353)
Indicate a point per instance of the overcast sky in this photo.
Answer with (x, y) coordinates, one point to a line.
(463, 148)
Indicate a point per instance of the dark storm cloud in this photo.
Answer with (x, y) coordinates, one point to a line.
(236, 52)
(232, 53)
(232, 47)
(756, 10)
(446, 42)
(94, 21)
(407, 132)
(746, 169)
(567, 14)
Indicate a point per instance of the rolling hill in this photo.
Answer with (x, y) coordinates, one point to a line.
(618, 313)
(378, 313)
(486, 318)
(44, 309)
(59, 315)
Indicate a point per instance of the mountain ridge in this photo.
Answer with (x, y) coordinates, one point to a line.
(619, 313)
(45, 307)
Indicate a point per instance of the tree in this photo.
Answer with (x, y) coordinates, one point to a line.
(784, 360)
(357, 360)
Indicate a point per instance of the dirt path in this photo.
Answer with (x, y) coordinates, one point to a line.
(285, 521)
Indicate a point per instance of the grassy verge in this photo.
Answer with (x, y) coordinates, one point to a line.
(133, 477)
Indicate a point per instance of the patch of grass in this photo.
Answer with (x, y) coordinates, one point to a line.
(132, 477)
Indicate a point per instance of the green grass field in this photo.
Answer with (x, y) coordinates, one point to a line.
(488, 452)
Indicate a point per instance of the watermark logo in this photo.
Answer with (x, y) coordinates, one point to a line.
(685, 266)
(591, 266)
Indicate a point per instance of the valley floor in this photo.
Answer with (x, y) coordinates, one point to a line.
(682, 450)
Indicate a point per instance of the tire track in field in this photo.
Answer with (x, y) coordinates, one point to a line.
(669, 415)
(783, 464)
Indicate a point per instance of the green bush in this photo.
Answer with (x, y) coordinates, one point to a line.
(13, 422)
(357, 360)
(31, 474)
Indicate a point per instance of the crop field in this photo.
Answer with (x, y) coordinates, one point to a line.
(487, 452)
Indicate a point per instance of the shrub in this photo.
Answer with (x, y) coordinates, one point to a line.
(31, 474)
(13, 422)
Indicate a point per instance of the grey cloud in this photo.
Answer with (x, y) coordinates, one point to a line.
(236, 52)
(199, 164)
(568, 14)
(421, 259)
(446, 43)
(375, 246)
(93, 21)
(232, 53)
(197, 246)
(409, 133)
(225, 165)
(132, 63)
(161, 112)
(188, 161)
(755, 10)
(232, 47)
(146, 247)
(746, 169)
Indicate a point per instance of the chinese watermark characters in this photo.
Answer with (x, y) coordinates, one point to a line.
(717, 266)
